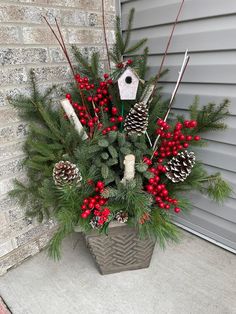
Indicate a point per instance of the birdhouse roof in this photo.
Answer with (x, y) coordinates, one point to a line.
(133, 72)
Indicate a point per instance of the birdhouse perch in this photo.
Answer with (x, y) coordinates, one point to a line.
(128, 84)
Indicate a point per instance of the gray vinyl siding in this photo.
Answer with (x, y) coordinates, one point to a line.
(208, 29)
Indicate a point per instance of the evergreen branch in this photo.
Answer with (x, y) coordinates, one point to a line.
(216, 188)
(135, 47)
(129, 28)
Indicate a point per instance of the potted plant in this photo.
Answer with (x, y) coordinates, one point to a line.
(111, 160)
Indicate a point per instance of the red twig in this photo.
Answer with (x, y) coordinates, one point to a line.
(63, 47)
(166, 50)
(105, 36)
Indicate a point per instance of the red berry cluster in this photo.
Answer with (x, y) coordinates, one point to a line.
(102, 97)
(173, 142)
(124, 64)
(158, 190)
(115, 119)
(83, 83)
(94, 204)
(90, 204)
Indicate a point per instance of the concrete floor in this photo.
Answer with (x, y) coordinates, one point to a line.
(190, 278)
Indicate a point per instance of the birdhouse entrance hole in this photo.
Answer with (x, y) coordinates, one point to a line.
(128, 79)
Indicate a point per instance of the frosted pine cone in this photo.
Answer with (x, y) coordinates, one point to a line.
(179, 167)
(122, 217)
(136, 121)
(64, 172)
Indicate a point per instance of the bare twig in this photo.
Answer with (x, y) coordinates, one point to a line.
(61, 43)
(166, 50)
(63, 47)
(64, 50)
(105, 36)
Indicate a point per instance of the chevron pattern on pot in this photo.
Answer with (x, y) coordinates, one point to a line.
(121, 250)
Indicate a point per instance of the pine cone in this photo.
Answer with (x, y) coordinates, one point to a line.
(136, 121)
(179, 167)
(94, 222)
(122, 217)
(145, 217)
(64, 172)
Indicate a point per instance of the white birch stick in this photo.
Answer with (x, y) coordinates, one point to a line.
(129, 171)
(69, 110)
(181, 73)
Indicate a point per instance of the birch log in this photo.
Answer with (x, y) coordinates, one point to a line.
(69, 110)
(129, 171)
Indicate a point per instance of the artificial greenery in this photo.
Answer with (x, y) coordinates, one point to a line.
(52, 138)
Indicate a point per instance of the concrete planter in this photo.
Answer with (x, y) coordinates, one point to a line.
(121, 250)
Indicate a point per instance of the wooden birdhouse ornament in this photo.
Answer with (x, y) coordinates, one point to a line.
(128, 84)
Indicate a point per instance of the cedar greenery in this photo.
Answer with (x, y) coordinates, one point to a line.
(52, 138)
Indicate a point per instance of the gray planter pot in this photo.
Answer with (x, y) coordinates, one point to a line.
(121, 250)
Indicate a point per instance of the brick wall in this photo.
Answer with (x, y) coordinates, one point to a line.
(25, 43)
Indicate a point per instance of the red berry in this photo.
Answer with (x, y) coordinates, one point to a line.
(84, 215)
(83, 207)
(193, 124)
(91, 205)
(68, 96)
(167, 206)
(113, 119)
(114, 110)
(129, 61)
(151, 180)
(100, 184)
(104, 132)
(197, 138)
(185, 145)
(189, 137)
(114, 128)
(83, 121)
(165, 192)
(90, 124)
(186, 123)
(120, 119)
(178, 126)
(149, 188)
(87, 212)
(161, 205)
(106, 75)
(177, 209)
(90, 98)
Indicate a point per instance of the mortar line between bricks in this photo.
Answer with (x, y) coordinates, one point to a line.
(37, 46)
(64, 27)
(61, 7)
